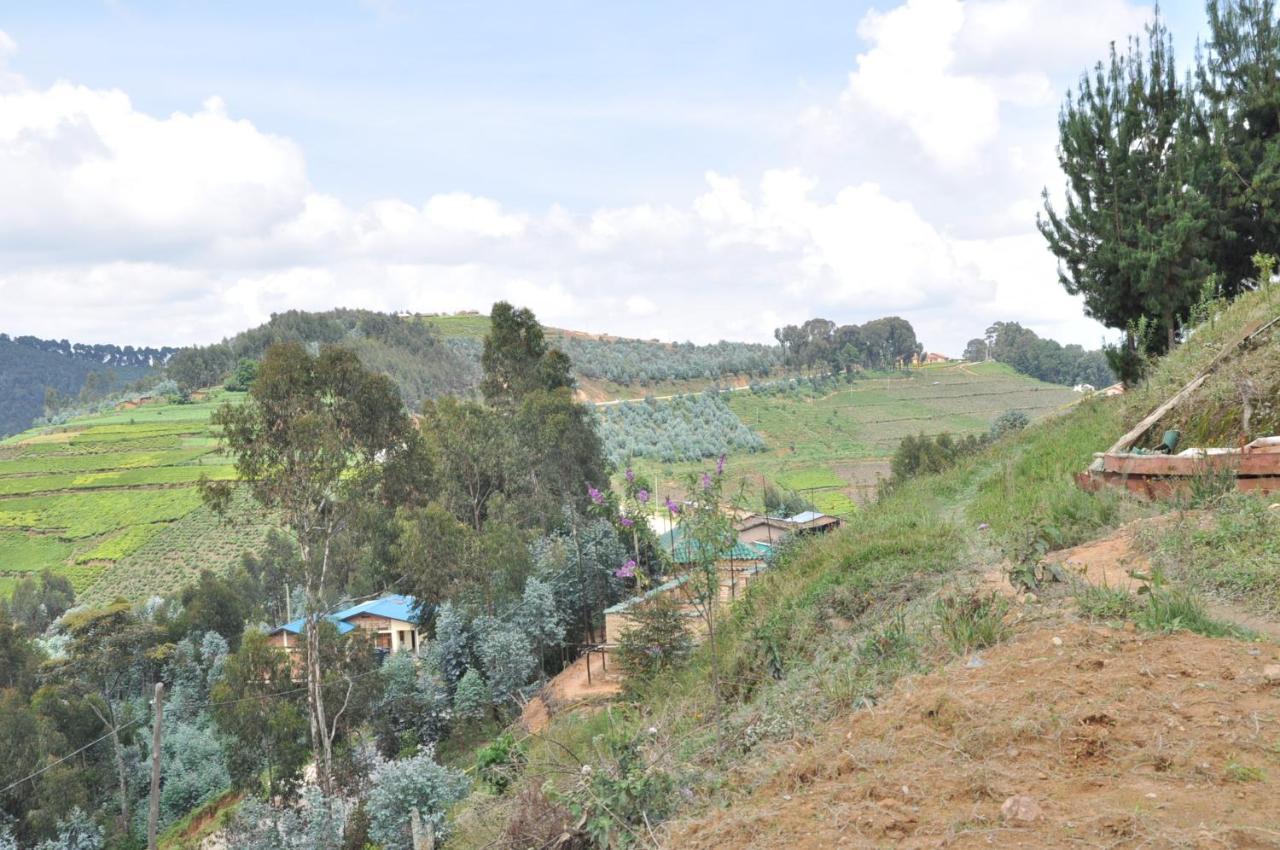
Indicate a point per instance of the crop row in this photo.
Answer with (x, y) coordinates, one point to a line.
(121, 545)
(24, 552)
(146, 476)
(116, 460)
(79, 515)
(37, 448)
(177, 553)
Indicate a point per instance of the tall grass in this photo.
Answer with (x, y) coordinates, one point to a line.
(1233, 552)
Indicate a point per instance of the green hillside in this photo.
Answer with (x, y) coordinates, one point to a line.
(833, 442)
(110, 501)
(31, 367)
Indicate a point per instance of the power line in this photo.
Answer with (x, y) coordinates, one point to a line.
(196, 707)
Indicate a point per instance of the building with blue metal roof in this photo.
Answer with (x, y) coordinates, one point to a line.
(391, 621)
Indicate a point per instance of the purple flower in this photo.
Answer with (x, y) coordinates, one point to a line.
(982, 526)
(631, 475)
(596, 495)
(626, 521)
(627, 570)
(672, 506)
(642, 496)
(720, 465)
(706, 481)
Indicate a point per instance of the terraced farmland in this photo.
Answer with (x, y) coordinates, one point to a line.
(111, 502)
(834, 446)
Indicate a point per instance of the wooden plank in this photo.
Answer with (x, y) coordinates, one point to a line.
(1263, 445)
(1178, 465)
(1156, 415)
(1156, 487)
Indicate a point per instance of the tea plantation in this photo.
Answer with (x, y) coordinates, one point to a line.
(110, 501)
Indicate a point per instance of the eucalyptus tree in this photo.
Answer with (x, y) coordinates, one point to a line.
(312, 439)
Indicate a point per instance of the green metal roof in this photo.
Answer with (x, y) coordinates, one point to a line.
(687, 551)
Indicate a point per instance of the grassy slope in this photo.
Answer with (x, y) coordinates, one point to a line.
(105, 500)
(835, 447)
(840, 619)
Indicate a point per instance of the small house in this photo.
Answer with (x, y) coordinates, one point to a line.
(391, 622)
(812, 522)
(761, 528)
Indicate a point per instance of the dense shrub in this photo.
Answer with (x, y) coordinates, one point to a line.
(313, 824)
(509, 661)
(658, 641)
(687, 427)
(1008, 422)
(630, 361)
(498, 764)
(924, 454)
(414, 710)
(471, 700)
(398, 787)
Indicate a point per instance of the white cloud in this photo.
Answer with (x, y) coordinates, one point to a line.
(188, 227)
(907, 77)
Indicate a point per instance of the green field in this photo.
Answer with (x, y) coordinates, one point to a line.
(111, 501)
(459, 325)
(834, 447)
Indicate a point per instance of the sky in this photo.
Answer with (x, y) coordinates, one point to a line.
(174, 172)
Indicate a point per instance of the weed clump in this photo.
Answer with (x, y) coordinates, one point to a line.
(972, 621)
(1170, 610)
(1099, 602)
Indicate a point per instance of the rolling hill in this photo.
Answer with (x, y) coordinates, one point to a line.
(29, 366)
(110, 501)
(831, 440)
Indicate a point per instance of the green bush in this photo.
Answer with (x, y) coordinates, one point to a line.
(1177, 610)
(621, 801)
(471, 699)
(659, 640)
(1098, 602)
(923, 454)
(1011, 421)
(498, 764)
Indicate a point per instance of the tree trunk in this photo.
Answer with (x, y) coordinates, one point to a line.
(320, 744)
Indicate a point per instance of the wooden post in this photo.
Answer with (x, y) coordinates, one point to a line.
(153, 816)
(1125, 442)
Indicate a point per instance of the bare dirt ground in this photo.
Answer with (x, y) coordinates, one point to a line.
(1070, 735)
(1114, 738)
(569, 690)
(1112, 560)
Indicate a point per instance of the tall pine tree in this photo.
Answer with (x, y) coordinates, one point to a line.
(1131, 238)
(1238, 78)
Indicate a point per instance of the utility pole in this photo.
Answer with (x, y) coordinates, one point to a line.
(153, 816)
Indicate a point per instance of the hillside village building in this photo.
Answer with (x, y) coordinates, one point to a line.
(391, 622)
